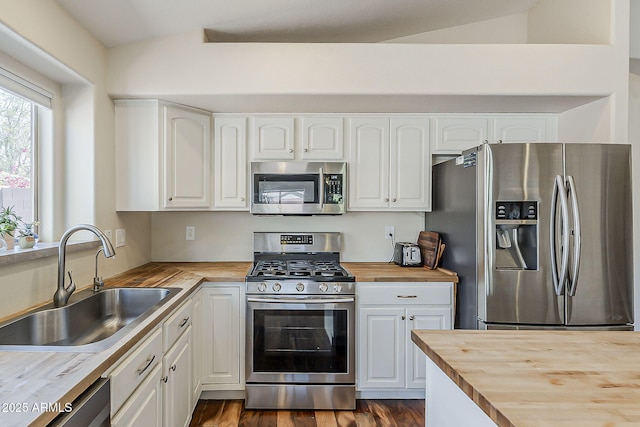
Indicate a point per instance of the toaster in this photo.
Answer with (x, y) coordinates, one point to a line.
(407, 254)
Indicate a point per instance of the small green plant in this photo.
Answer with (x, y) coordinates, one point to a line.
(27, 229)
(9, 220)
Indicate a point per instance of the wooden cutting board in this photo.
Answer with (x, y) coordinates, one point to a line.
(429, 243)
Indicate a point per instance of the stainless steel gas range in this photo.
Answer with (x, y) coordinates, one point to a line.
(300, 324)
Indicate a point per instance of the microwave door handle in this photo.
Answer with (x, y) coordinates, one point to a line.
(321, 190)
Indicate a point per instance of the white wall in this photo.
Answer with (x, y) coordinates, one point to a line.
(634, 139)
(46, 38)
(570, 21)
(228, 236)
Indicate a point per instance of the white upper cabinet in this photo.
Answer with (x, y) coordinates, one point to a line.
(453, 135)
(230, 163)
(163, 156)
(297, 138)
(456, 133)
(272, 138)
(389, 164)
(525, 129)
(187, 158)
(322, 138)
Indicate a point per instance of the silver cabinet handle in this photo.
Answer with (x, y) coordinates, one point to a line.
(306, 150)
(171, 199)
(184, 322)
(386, 199)
(164, 379)
(174, 367)
(404, 317)
(291, 150)
(407, 296)
(412, 318)
(149, 361)
(242, 199)
(393, 200)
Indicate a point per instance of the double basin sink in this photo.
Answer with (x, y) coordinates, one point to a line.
(91, 324)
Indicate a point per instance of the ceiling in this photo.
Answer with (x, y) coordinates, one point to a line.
(119, 22)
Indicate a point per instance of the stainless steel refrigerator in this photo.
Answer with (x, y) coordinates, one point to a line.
(540, 235)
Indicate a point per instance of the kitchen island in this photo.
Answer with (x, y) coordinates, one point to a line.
(531, 378)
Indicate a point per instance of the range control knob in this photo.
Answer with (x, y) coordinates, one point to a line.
(276, 287)
(300, 287)
(262, 286)
(323, 287)
(337, 288)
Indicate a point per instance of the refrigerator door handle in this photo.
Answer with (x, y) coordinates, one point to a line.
(559, 278)
(577, 244)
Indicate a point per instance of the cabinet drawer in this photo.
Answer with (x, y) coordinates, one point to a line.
(128, 375)
(392, 293)
(144, 405)
(176, 324)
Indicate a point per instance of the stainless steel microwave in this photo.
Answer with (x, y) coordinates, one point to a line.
(298, 188)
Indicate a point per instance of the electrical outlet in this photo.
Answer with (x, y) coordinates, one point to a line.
(120, 237)
(190, 233)
(389, 232)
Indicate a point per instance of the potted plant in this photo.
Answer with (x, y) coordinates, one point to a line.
(27, 235)
(9, 221)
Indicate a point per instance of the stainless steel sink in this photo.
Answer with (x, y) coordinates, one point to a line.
(93, 323)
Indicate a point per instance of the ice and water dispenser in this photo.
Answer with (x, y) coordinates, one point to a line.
(516, 235)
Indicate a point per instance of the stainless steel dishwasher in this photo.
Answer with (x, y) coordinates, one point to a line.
(91, 409)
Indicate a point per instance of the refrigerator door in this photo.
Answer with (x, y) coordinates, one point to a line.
(600, 285)
(518, 285)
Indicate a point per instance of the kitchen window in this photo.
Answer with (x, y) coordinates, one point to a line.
(22, 103)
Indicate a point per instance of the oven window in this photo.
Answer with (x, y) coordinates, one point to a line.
(274, 188)
(299, 341)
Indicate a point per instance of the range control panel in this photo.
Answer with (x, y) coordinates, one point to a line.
(517, 210)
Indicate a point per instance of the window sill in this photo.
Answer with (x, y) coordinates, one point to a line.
(42, 250)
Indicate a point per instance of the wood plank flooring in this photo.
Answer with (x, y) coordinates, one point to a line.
(368, 413)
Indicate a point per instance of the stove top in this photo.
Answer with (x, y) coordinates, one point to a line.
(315, 270)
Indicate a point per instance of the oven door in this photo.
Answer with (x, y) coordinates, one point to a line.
(300, 339)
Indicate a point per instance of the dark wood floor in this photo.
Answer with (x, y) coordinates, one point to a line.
(368, 413)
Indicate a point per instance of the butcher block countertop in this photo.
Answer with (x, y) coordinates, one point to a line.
(32, 379)
(388, 272)
(543, 378)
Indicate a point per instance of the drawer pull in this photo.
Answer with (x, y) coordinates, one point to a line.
(184, 322)
(407, 296)
(145, 367)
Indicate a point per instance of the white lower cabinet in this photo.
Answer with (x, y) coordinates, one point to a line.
(223, 336)
(389, 364)
(143, 407)
(176, 379)
(152, 385)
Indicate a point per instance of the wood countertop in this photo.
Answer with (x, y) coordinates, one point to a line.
(543, 378)
(31, 379)
(389, 272)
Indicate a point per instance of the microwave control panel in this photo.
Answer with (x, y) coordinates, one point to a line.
(333, 188)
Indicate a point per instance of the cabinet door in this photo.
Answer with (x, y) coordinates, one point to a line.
(522, 129)
(422, 318)
(230, 183)
(221, 335)
(187, 153)
(177, 375)
(144, 407)
(455, 134)
(322, 138)
(410, 164)
(272, 138)
(381, 348)
(368, 163)
(196, 349)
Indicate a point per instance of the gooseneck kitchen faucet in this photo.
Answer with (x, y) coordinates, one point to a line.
(63, 293)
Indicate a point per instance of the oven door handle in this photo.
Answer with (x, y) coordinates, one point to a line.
(301, 301)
